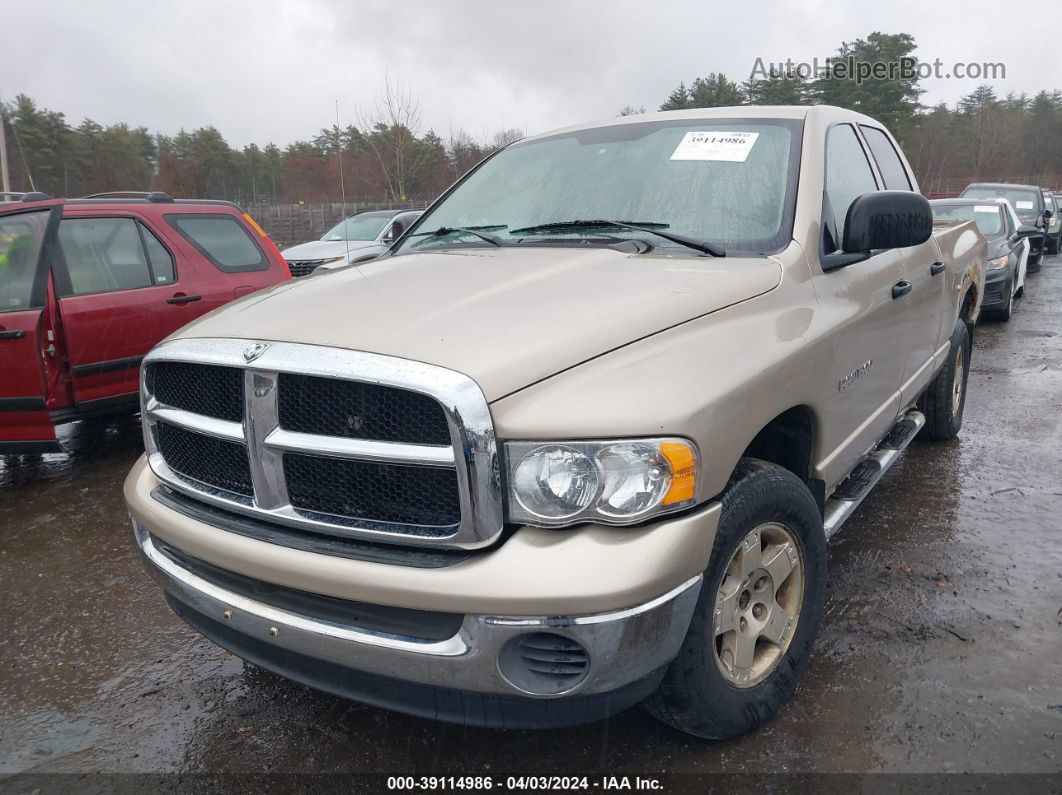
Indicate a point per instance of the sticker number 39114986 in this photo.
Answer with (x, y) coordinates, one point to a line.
(715, 145)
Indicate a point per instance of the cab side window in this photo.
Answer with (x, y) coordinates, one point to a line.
(103, 255)
(848, 175)
(889, 164)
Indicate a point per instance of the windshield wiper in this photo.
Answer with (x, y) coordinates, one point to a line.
(652, 228)
(442, 231)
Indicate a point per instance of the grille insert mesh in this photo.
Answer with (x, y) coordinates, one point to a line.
(358, 410)
(212, 461)
(373, 491)
(200, 388)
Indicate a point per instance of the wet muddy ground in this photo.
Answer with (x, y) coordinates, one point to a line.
(941, 648)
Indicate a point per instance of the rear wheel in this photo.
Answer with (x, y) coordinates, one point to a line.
(758, 610)
(945, 399)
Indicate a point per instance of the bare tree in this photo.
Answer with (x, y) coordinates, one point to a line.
(503, 138)
(630, 110)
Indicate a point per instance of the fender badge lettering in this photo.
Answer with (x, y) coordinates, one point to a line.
(852, 376)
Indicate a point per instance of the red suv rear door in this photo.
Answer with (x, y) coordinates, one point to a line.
(27, 249)
(120, 292)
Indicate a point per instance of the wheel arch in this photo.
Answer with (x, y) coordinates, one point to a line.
(970, 307)
(788, 440)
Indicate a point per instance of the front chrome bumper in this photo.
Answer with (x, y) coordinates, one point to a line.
(624, 646)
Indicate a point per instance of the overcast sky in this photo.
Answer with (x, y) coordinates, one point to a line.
(271, 71)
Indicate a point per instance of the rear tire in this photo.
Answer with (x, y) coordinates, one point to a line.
(944, 400)
(706, 691)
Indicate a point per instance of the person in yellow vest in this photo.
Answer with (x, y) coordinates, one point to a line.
(16, 270)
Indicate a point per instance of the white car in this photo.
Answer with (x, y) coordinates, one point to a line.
(360, 238)
(1008, 247)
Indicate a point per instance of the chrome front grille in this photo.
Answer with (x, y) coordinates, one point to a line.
(304, 267)
(327, 440)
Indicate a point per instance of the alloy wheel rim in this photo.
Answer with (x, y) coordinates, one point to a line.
(757, 606)
(956, 388)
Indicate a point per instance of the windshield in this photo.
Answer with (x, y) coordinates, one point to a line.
(987, 216)
(1023, 199)
(358, 227)
(726, 181)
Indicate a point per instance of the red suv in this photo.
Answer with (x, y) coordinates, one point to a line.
(88, 286)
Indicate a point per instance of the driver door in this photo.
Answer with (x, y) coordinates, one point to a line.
(28, 243)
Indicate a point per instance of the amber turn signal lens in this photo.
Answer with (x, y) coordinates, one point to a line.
(683, 463)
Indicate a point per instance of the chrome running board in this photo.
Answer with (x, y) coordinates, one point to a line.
(850, 493)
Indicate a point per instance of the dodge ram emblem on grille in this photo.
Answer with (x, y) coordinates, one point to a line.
(252, 352)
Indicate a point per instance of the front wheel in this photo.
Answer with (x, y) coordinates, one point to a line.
(1003, 315)
(944, 400)
(758, 612)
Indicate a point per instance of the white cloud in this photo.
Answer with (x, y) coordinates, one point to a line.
(268, 70)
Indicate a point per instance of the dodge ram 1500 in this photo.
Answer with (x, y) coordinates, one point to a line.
(579, 439)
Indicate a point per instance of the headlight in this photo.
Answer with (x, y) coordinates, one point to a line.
(613, 482)
(331, 259)
(998, 263)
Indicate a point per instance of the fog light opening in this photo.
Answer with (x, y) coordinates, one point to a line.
(544, 664)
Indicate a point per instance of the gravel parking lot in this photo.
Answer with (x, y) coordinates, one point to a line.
(939, 652)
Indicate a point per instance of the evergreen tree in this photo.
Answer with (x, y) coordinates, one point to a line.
(891, 98)
(679, 99)
(778, 88)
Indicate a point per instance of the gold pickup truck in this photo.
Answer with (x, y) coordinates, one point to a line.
(579, 439)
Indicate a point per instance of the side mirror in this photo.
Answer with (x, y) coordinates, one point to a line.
(1048, 215)
(1026, 231)
(886, 219)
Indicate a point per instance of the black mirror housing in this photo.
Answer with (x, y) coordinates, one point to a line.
(1048, 215)
(887, 219)
(1027, 231)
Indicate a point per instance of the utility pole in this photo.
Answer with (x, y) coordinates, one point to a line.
(5, 181)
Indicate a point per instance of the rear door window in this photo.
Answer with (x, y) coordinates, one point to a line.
(107, 254)
(222, 240)
(159, 257)
(21, 237)
(889, 163)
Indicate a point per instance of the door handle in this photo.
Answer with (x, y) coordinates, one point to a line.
(181, 298)
(901, 288)
(935, 268)
(16, 334)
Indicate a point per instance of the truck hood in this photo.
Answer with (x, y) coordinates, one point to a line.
(324, 249)
(507, 317)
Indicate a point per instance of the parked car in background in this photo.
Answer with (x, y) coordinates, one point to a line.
(1028, 203)
(88, 286)
(1008, 247)
(1053, 243)
(360, 238)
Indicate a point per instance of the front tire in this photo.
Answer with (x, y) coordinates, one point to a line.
(944, 400)
(758, 612)
(1003, 315)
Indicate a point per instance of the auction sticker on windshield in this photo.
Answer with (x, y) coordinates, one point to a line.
(986, 208)
(715, 145)
(1025, 205)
